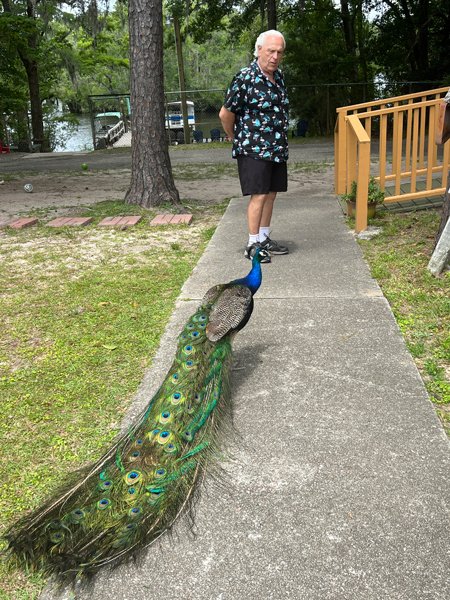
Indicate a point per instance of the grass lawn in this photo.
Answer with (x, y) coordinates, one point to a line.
(81, 315)
(398, 258)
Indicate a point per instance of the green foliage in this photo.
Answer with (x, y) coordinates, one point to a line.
(375, 194)
(207, 66)
(14, 30)
(317, 54)
(93, 65)
(412, 41)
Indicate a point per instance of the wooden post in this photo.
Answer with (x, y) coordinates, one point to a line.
(359, 152)
(340, 157)
(441, 252)
(445, 212)
(91, 115)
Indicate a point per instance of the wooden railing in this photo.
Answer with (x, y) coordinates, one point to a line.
(115, 133)
(411, 122)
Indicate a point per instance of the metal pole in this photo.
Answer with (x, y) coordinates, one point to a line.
(187, 136)
(328, 110)
(91, 115)
(168, 122)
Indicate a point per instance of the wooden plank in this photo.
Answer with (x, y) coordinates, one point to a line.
(414, 195)
(382, 161)
(340, 154)
(351, 157)
(431, 146)
(397, 158)
(423, 116)
(363, 185)
(408, 136)
(437, 92)
(415, 142)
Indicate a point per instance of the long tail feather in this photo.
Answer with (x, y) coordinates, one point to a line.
(138, 489)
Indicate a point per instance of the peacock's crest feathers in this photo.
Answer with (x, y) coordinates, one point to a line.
(151, 475)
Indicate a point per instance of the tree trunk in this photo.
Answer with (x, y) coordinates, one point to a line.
(152, 182)
(271, 14)
(445, 212)
(31, 69)
(37, 122)
(348, 24)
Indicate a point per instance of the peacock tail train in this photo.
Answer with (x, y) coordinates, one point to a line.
(151, 475)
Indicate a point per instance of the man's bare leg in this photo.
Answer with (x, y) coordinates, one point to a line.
(259, 212)
(268, 209)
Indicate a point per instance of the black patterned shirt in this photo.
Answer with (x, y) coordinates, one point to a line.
(261, 110)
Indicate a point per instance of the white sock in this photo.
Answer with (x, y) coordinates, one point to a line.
(263, 234)
(252, 239)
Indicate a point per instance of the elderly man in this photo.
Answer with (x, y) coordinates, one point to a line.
(255, 115)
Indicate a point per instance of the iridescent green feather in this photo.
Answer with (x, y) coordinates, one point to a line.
(151, 475)
(137, 491)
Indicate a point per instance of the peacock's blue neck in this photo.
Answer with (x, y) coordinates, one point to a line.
(253, 279)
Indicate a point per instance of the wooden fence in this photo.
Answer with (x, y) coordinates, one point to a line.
(405, 129)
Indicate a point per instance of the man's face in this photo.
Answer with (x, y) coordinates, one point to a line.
(270, 55)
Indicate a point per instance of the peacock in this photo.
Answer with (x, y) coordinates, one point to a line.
(152, 474)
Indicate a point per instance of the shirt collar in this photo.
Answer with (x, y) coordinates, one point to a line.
(256, 67)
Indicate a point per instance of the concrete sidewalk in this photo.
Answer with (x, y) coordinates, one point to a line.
(340, 486)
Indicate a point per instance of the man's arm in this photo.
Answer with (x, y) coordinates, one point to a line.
(227, 118)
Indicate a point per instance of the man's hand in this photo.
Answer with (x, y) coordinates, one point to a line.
(227, 118)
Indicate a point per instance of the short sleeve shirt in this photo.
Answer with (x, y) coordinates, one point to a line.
(261, 109)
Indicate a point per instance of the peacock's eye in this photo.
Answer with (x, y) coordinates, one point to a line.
(132, 477)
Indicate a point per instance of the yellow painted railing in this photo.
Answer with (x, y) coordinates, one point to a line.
(412, 123)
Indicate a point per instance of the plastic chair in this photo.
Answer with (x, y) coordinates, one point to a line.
(198, 135)
(302, 126)
(3, 149)
(215, 135)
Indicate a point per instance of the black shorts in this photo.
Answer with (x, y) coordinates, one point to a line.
(261, 176)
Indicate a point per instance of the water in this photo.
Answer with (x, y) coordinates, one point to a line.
(81, 139)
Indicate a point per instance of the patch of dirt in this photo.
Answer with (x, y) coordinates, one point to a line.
(65, 194)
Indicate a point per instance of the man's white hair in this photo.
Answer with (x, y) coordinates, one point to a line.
(262, 39)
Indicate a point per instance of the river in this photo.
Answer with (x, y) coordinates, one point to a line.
(81, 139)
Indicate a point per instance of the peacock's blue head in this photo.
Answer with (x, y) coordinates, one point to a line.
(260, 255)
